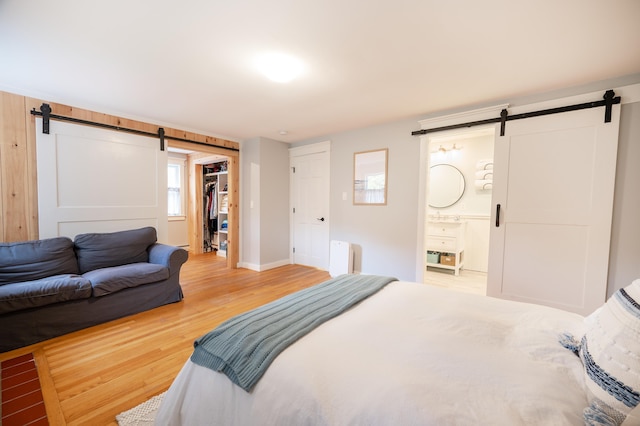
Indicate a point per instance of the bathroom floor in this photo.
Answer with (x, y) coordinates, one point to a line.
(468, 281)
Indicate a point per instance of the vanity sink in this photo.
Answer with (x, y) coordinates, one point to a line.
(444, 219)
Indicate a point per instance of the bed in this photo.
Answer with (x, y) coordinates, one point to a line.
(413, 354)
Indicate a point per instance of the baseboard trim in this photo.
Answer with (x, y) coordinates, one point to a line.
(265, 267)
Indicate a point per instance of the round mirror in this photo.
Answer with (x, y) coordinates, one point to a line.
(446, 185)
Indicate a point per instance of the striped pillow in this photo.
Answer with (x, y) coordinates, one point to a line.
(610, 353)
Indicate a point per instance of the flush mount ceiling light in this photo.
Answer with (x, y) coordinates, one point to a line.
(279, 67)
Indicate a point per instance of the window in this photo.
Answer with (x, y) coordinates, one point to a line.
(175, 184)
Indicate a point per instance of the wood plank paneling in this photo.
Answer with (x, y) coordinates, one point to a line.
(32, 184)
(92, 375)
(14, 170)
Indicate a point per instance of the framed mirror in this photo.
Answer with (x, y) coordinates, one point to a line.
(446, 185)
(370, 177)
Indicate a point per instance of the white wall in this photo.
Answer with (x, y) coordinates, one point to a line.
(250, 204)
(274, 208)
(385, 237)
(264, 206)
(178, 233)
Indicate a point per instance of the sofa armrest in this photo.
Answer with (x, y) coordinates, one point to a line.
(169, 256)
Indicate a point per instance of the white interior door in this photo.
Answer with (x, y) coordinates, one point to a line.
(310, 209)
(554, 179)
(97, 180)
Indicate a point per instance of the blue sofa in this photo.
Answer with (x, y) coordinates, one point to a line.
(55, 286)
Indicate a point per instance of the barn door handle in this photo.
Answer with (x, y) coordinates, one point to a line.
(321, 219)
(497, 215)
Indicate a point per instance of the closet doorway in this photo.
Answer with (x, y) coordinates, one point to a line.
(458, 170)
(215, 211)
(212, 232)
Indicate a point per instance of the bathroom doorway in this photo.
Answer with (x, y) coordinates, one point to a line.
(459, 181)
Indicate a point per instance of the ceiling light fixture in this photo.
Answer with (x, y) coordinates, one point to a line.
(279, 67)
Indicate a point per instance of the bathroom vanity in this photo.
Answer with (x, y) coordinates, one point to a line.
(446, 237)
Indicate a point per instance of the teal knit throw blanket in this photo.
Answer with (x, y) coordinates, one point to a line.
(244, 346)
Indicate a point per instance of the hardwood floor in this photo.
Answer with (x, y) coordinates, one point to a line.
(91, 375)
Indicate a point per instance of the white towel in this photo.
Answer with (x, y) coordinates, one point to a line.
(484, 165)
(484, 185)
(484, 175)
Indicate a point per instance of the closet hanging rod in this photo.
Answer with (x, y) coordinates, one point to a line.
(609, 99)
(45, 113)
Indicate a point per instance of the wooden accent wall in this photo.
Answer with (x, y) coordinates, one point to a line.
(18, 194)
(18, 171)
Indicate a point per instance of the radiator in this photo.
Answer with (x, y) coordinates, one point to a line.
(340, 258)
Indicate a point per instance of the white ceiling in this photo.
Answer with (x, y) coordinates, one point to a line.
(189, 63)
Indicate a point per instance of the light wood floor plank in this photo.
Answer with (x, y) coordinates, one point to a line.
(90, 376)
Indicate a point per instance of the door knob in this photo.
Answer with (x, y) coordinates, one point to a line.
(321, 219)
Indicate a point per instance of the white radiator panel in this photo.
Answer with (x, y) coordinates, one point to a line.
(340, 258)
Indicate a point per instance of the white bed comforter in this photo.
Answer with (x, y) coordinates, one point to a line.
(411, 354)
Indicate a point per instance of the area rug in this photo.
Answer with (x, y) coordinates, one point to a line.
(141, 415)
(20, 392)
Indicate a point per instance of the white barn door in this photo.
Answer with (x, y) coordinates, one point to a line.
(97, 180)
(554, 179)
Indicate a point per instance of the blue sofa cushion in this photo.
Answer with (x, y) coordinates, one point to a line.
(97, 251)
(109, 280)
(33, 260)
(32, 294)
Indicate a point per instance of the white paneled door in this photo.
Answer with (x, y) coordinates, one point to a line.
(310, 207)
(553, 185)
(97, 180)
